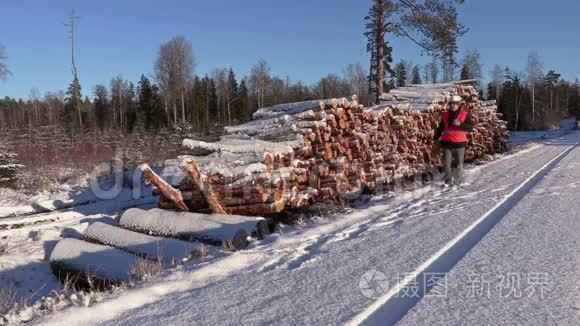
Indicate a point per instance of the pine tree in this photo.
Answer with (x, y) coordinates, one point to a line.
(135, 146)
(400, 74)
(232, 96)
(74, 101)
(491, 92)
(550, 81)
(129, 97)
(245, 111)
(150, 105)
(9, 165)
(465, 73)
(199, 110)
(417, 76)
(212, 101)
(381, 53)
(101, 106)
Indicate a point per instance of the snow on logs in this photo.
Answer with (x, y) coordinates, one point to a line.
(91, 262)
(229, 231)
(142, 245)
(292, 155)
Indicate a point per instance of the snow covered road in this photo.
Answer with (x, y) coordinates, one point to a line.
(526, 270)
(319, 273)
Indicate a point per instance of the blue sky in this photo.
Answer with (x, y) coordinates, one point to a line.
(302, 39)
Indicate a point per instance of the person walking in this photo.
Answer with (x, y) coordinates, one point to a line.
(452, 132)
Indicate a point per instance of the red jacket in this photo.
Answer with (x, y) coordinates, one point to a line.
(453, 136)
(451, 133)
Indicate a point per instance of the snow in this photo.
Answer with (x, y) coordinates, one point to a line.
(50, 202)
(523, 137)
(536, 245)
(310, 274)
(24, 265)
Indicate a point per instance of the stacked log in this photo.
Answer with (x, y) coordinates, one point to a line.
(292, 155)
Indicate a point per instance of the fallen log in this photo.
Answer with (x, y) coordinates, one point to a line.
(142, 245)
(87, 262)
(186, 226)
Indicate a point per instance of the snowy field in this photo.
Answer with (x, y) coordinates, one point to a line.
(336, 269)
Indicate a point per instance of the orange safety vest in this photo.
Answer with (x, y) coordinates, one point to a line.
(452, 133)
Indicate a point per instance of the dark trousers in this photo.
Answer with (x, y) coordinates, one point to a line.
(453, 164)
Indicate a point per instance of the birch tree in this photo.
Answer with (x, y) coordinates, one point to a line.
(259, 81)
(534, 72)
(472, 60)
(173, 69)
(357, 78)
(118, 100)
(497, 78)
(220, 78)
(434, 71)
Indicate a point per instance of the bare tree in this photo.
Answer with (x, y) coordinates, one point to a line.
(497, 77)
(34, 98)
(434, 67)
(259, 81)
(409, 65)
(277, 90)
(426, 73)
(448, 66)
(117, 100)
(472, 60)
(534, 71)
(4, 72)
(332, 86)
(173, 69)
(220, 78)
(356, 76)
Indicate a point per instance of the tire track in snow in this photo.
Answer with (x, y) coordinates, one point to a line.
(392, 306)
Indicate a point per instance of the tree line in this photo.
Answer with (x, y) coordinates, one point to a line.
(175, 102)
(533, 98)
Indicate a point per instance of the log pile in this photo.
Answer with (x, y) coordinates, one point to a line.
(146, 241)
(292, 155)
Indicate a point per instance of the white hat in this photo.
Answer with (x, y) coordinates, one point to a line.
(455, 99)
